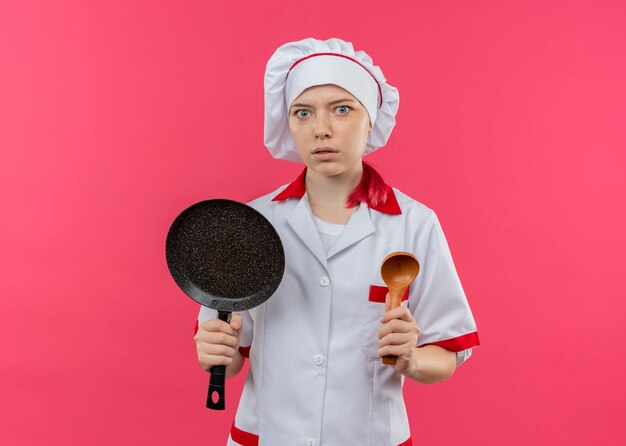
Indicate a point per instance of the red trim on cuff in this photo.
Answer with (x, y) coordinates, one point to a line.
(409, 442)
(245, 351)
(459, 343)
(195, 329)
(378, 293)
(242, 437)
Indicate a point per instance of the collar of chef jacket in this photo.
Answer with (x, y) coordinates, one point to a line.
(358, 227)
(297, 189)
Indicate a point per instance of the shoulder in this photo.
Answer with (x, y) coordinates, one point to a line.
(413, 209)
(264, 203)
(417, 223)
(421, 223)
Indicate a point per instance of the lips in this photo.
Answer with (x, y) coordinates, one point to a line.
(320, 150)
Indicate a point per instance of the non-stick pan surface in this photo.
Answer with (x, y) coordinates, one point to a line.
(227, 256)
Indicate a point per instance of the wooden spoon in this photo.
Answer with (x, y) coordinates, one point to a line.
(399, 270)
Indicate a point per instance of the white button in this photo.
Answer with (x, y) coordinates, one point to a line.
(310, 442)
(319, 359)
(324, 281)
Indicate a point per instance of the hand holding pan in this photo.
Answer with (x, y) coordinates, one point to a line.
(399, 269)
(227, 256)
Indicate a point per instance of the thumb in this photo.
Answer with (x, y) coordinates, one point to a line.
(236, 322)
(387, 302)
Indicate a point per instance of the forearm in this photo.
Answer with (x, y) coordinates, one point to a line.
(431, 364)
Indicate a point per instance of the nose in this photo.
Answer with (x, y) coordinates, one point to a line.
(321, 126)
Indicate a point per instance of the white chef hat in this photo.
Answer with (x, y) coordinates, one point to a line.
(296, 66)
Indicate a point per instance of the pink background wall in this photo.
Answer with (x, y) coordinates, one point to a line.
(115, 115)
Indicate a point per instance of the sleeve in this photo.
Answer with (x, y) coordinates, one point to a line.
(438, 302)
(247, 327)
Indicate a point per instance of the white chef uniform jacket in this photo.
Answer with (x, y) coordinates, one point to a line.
(315, 378)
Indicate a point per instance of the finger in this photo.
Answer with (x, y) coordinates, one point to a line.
(217, 350)
(393, 339)
(397, 326)
(209, 361)
(214, 337)
(217, 325)
(394, 350)
(401, 312)
(399, 339)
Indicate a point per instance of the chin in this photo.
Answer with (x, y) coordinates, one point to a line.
(329, 169)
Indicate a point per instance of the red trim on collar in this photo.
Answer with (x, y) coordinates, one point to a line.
(297, 189)
(390, 206)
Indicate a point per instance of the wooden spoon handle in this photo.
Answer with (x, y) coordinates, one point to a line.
(395, 296)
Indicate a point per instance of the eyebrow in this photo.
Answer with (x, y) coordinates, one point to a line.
(330, 103)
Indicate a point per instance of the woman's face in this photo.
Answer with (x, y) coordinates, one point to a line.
(330, 128)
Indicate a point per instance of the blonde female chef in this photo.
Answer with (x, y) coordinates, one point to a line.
(316, 375)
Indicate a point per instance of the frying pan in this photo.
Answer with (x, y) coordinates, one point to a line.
(227, 256)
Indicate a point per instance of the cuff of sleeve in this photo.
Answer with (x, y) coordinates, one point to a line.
(457, 344)
(463, 356)
(245, 351)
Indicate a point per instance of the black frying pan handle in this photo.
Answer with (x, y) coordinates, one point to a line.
(217, 383)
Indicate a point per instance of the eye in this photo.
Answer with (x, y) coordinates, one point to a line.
(302, 113)
(342, 109)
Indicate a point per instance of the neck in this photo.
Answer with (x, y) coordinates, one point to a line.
(328, 195)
